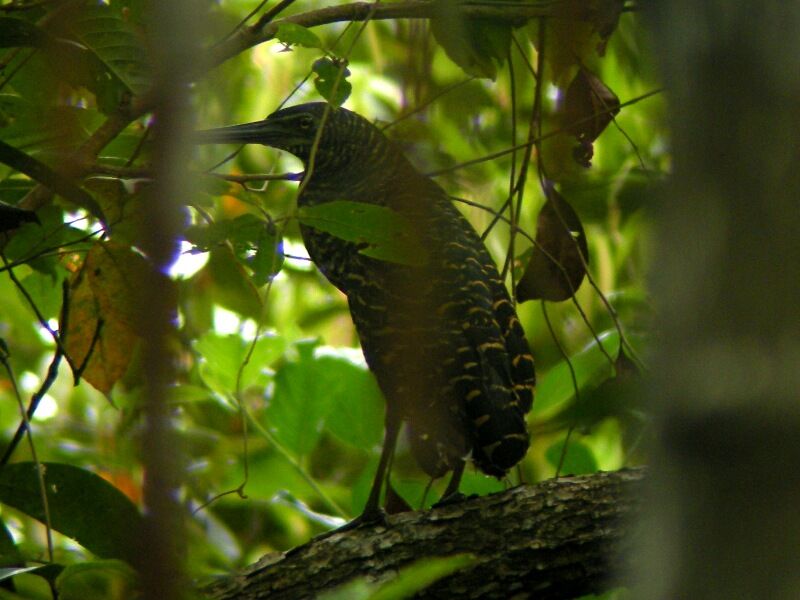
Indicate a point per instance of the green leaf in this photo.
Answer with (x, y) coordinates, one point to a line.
(108, 34)
(255, 243)
(301, 401)
(293, 34)
(13, 189)
(223, 355)
(591, 367)
(357, 405)
(39, 129)
(478, 47)
(98, 580)
(579, 459)
(409, 581)
(33, 240)
(327, 76)
(231, 285)
(384, 233)
(268, 259)
(420, 575)
(10, 572)
(83, 506)
(35, 169)
(358, 589)
(241, 232)
(46, 292)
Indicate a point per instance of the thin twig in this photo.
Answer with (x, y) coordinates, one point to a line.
(574, 378)
(545, 136)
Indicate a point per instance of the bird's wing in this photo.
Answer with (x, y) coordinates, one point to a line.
(488, 338)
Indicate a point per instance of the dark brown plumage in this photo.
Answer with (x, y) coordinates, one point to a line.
(443, 339)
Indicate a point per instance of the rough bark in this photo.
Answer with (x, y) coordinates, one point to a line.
(559, 539)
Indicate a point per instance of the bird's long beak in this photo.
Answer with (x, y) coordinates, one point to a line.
(259, 132)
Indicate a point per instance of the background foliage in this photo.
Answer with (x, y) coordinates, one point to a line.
(279, 421)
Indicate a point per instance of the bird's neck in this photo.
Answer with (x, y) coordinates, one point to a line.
(355, 172)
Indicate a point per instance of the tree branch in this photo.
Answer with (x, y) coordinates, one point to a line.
(507, 12)
(78, 164)
(562, 538)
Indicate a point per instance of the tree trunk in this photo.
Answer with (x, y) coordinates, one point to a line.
(725, 518)
(559, 539)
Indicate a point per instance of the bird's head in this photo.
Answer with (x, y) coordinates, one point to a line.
(347, 139)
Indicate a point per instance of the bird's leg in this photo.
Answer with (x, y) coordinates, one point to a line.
(372, 509)
(451, 494)
(372, 512)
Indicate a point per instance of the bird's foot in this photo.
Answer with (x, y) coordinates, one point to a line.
(454, 498)
(368, 518)
(375, 516)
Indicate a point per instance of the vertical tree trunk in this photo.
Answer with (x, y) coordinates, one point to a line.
(174, 47)
(725, 518)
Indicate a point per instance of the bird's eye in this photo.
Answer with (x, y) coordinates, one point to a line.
(306, 123)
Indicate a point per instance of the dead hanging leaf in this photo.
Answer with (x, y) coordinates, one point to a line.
(589, 106)
(606, 18)
(118, 277)
(556, 269)
(107, 308)
(102, 348)
(558, 156)
(578, 28)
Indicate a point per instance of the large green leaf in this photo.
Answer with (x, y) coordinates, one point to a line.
(409, 580)
(301, 401)
(38, 129)
(223, 356)
(478, 47)
(108, 34)
(578, 459)
(83, 506)
(420, 575)
(98, 580)
(255, 243)
(591, 367)
(379, 231)
(357, 405)
(35, 169)
(293, 34)
(230, 284)
(325, 388)
(36, 243)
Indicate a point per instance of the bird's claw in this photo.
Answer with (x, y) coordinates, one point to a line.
(367, 518)
(454, 498)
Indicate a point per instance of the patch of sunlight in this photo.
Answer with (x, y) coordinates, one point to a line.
(29, 383)
(227, 322)
(353, 355)
(78, 219)
(297, 255)
(188, 262)
(45, 335)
